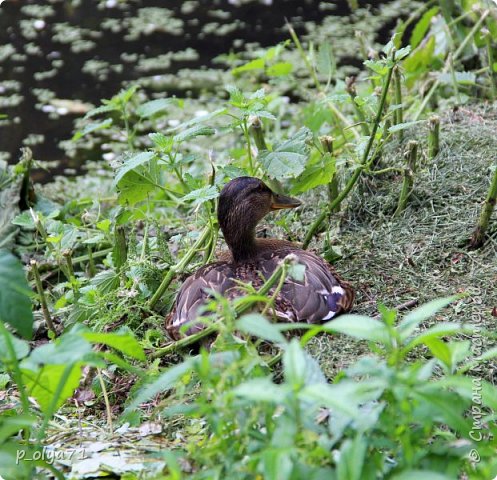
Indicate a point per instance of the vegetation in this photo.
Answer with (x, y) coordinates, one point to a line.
(89, 268)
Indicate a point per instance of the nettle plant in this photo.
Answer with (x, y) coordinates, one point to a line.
(391, 414)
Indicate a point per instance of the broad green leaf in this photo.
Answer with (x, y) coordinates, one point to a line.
(42, 384)
(257, 325)
(288, 158)
(21, 348)
(192, 132)
(318, 174)
(92, 127)
(202, 195)
(420, 58)
(488, 355)
(106, 281)
(358, 326)
(101, 109)
(279, 69)
(404, 126)
(10, 426)
(294, 364)
(125, 343)
(470, 388)
(352, 456)
(325, 60)
(411, 321)
(162, 142)
(24, 220)
(345, 396)
(15, 302)
(69, 348)
(152, 107)
(424, 474)
(277, 463)
(439, 350)
(134, 188)
(161, 384)
(261, 390)
(257, 64)
(440, 330)
(422, 27)
(131, 163)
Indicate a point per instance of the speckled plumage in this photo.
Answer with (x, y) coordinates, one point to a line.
(320, 296)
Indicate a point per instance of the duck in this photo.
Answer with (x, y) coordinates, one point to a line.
(318, 297)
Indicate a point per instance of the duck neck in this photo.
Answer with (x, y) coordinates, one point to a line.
(241, 243)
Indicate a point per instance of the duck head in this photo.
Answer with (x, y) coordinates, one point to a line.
(243, 203)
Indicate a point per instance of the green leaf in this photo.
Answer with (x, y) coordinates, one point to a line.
(277, 463)
(257, 325)
(411, 321)
(152, 107)
(318, 174)
(404, 126)
(439, 350)
(261, 390)
(422, 27)
(257, 64)
(131, 163)
(202, 195)
(359, 326)
(161, 384)
(101, 109)
(106, 281)
(15, 302)
(134, 188)
(294, 364)
(24, 220)
(424, 474)
(279, 69)
(125, 343)
(21, 347)
(288, 158)
(192, 132)
(325, 61)
(92, 127)
(199, 119)
(43, 383)
(352, 456)
(440, 330)
(162, 142)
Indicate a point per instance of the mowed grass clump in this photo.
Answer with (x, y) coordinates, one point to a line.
(423, 253)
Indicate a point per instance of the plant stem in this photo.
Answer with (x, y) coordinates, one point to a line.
(399, 114)
(433, 136)
(478, 237)
(120, 250)
(41, 294)
(364, 161)
(91, 264)
(106, 400)
(407, 184)
(180, 266)
(491, 61)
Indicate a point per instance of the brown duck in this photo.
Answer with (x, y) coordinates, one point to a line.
(243, 202)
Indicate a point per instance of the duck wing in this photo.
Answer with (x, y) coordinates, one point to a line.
(194, 293)
(320, 296)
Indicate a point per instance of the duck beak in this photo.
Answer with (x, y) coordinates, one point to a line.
(279, 202)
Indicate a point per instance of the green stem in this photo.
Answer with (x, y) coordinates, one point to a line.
(433, 136)
(412, 153)
(399, 114)
(478, 237)
(249, 146)
(357, 172)
(180, 266)
(41, 294)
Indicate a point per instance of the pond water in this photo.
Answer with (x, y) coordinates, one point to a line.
(58, 57)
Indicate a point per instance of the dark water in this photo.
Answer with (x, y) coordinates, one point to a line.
(48, 48)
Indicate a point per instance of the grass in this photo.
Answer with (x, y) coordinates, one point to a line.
(422, 254)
